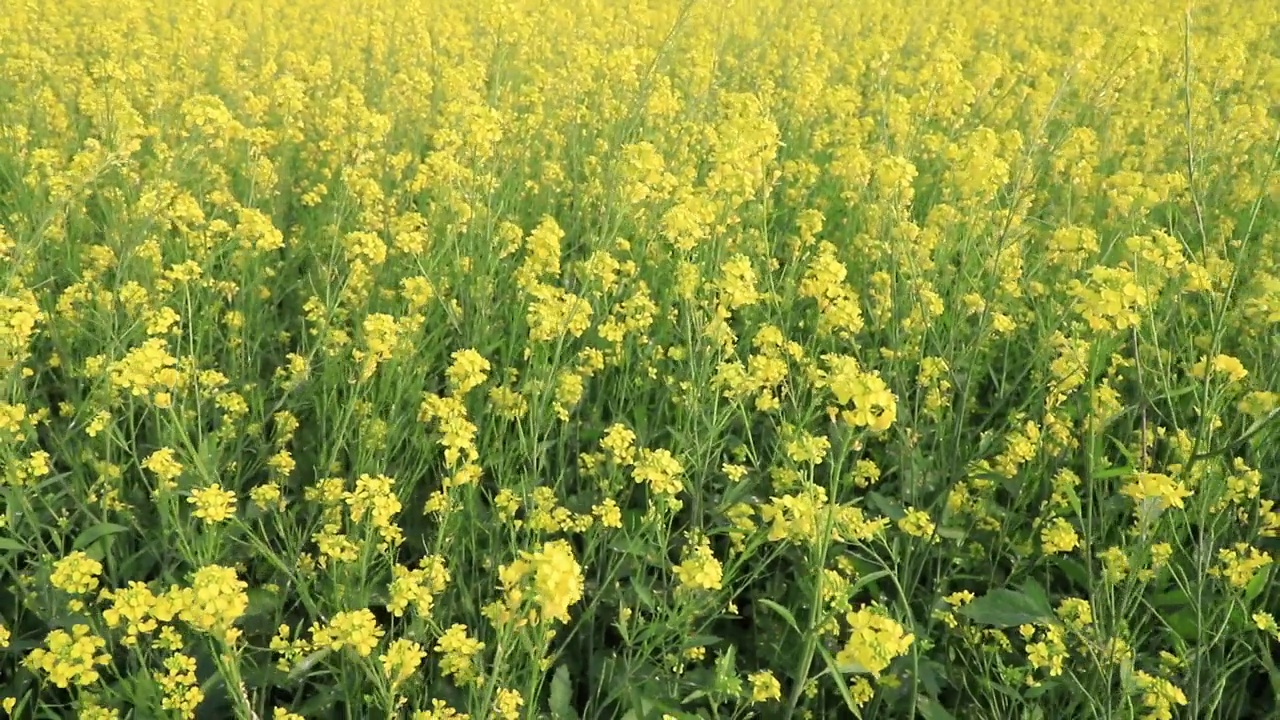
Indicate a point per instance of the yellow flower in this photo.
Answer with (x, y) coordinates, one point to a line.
(98, 423)
(215, 600)
(165, 466)
(700, 569)
(1049, 653)
(1077, 613)
(1058, 536)
(267, 496)
(764, 687)
(806, 448)
(401, 660)
(381, 338)
(1159, 696)
(874, 406)
(1111, 301)
(146, 369)
(620, 442)
(69, 658)
(553, 577)
(213, 504)
(608, 513)
(1115, 564)
(76, 574)
(917, 523)
(555, 312)
(1226, 365)
(1238, 565)
(457, 433)
(182, 692)
(469, 370)
(461, 653)
(440, 710)
(508, 403)
(131, 606)
(1259, 403)
(417, 588)
(375, 498)
(1160, 490)
(660, 469)
(507, 704)
(282, 464)
(357, 630)
(737, 283)
(542, 250)
(874, 641)
(1266, 622)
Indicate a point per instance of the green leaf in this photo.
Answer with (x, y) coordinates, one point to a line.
(1121, 471)
(8, 544)
(96, 533)
(885, 506)
(931, 710)
(1037, 691)
(562, 695)
(301, 669)
(1073, 569)
(1171, 599)
(644, 593)
(1007, 608)
(1073, 499)
(1123, 450)
(783, 612)
(868, 579)
(321, 702)
(1035, 591)
(843, 687)
(1184, 623)
(1256, 585)
(931, 673)
(261, 602)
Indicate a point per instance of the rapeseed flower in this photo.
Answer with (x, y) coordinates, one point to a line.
(460, 654)
(213, 504)
(764, 686)
(69, 659)
(700, 570)
(401, 660)
(660, 469)
(875, 640)
(76, 574)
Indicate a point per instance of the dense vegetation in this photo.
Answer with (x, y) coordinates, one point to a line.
(648, 359)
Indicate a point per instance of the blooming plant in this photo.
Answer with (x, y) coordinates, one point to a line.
(666, 359)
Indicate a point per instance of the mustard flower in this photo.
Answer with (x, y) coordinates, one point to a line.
(874, 641)
(76, 574)
(700, 569)
(1058, 536)
(660, 469)
(764, 687)
(469, 370)
(460, 654)
(401, 660)
(213, 504)
(69, 658)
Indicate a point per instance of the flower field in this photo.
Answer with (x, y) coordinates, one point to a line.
(655, 359)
